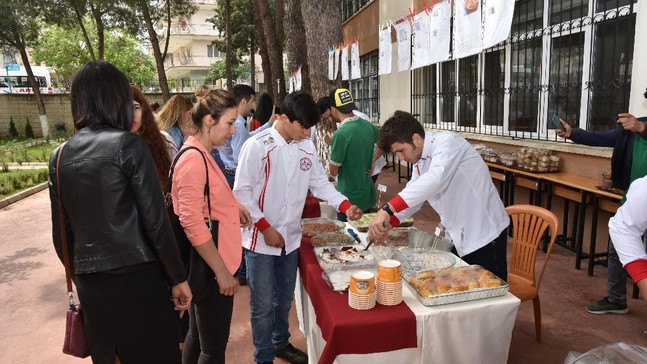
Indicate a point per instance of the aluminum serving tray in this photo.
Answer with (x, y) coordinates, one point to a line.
(326, 257)
(338, 279)
(317, 225)
(455, 297)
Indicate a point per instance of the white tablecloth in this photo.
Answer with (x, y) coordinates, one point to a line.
(469, 332)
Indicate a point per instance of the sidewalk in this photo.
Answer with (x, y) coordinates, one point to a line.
(32, 284)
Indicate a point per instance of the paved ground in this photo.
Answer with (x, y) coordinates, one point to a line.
(32, 289)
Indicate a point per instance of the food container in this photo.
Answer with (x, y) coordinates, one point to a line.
(332, 238)
(399, 236)
(457, 284)
(420, 239)
(318, 225)
(338, 279)
(416, 260)
(362, 223)
(351, 256)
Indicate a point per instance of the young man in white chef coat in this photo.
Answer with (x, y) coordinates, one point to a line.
(450, 175)
(275, 170)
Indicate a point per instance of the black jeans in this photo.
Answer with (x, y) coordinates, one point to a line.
(492, 256)
(209, 323)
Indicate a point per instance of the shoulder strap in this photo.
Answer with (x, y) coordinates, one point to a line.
(169, 183)
(66, 254)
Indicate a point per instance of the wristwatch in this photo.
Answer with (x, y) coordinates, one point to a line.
(388, 210)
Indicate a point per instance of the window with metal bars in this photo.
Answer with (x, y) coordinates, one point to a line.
(569, 59)
(366, 90)
(350, 7)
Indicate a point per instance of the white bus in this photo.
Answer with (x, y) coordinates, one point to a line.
(20, 83)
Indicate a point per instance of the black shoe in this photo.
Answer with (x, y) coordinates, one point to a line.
(292, 354)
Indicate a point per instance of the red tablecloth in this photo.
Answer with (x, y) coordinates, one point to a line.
(311, 208)
(350, 331)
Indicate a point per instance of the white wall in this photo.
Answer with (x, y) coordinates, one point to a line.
(637, 102)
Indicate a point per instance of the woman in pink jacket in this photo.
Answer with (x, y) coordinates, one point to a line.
(214, 115)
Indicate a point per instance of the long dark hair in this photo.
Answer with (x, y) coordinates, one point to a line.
(101, 95)
(151, 134)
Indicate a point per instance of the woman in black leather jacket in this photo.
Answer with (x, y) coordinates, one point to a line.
(126, 265)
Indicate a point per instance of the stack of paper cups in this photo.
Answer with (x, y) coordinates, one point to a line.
(389, 282)
(361, 292)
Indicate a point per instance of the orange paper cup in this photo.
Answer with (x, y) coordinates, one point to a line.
(362, 282)
(388, 270)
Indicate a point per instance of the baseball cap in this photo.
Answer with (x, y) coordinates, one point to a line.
(342, 99)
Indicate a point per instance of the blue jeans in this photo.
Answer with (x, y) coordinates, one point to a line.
(271, 281)
(617, 278)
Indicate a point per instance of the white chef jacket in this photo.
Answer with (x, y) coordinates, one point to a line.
(629, 224)
(272, 181)
(456, 182)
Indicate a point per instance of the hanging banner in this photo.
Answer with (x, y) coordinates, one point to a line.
(344, 63)
(497, 21)
(384, 64)
(439, 32)
(331, 63)
(297, 80)
(421, 41)
(403, 32)
(467, 28)
(336, 62)
(355, 71)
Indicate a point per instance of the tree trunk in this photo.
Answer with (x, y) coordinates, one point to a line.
(228, 51)
(96, 14)
(279, 16)
(274, 49)
(252, 55)
(42, 114)
(295, 38)
(159, 61)
(79, 18)
(265, 59)
(321, 17)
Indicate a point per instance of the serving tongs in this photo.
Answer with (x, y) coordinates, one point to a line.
(385, 224)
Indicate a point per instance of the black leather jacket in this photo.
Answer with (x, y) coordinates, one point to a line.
(114, 209)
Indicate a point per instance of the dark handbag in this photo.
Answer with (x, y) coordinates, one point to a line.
(75, 343)
(201, 277)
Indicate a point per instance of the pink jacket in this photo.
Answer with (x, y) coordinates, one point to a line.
(190, 204)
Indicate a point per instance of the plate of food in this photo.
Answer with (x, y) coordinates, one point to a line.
(455, 284)
(314, 226)
(343, 255)
(416, 260)
(332, 238)
(361, 224)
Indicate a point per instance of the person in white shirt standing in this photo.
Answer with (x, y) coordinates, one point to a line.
(627, 228)
(275, 170)
(450, 175)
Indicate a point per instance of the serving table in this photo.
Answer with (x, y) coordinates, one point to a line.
(477, 331)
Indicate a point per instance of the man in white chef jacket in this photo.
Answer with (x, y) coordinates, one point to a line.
(454, 179)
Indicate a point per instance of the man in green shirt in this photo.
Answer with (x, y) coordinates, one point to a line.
(351, 153)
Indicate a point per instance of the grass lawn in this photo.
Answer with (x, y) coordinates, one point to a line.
(15, 181)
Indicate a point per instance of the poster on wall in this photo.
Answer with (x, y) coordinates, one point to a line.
(355, 71)
(420, 38)
(384, 61)
(344, 62)
(467, 28)
(403, 34)
(331, 63)
(337, 50)
(439, 32)
(497, 21)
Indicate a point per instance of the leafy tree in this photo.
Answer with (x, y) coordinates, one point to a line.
(13, 133)
(273, 44)
(241, 30)
(218, 70)
(158, 14)
(29, 132)
(66, 50)
(19, 31)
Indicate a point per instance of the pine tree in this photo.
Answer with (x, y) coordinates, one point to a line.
(29, 132)
(13, 133)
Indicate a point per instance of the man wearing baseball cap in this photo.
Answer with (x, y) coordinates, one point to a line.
(351, 153)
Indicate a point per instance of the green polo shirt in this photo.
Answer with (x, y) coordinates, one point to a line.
(638, 160)
(352, 151)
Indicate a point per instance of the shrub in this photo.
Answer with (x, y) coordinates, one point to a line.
(13, 133)
(15, 181)
(29, 132)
